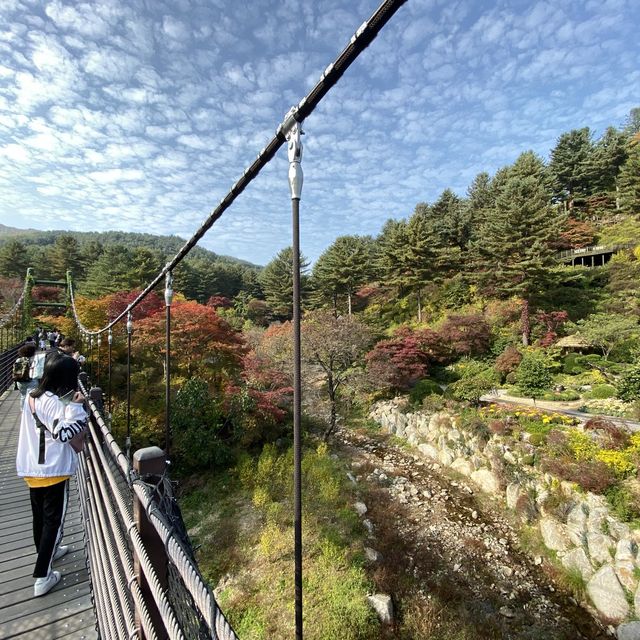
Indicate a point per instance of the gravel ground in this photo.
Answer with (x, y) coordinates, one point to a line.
(452, 554)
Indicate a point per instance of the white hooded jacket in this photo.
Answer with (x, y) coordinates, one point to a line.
(62, 423)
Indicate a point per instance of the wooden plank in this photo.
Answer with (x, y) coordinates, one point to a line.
(66, 611)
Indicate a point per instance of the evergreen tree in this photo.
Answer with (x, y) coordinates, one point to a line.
(145, 265)
(629, 180)
(277, 283)
(14, 259)
(392, 253)
(569, 166)
(515, 253)
(609, 154)
(632, 124)
(452, 226)
(423, 252)
(63, 256)
(479, 200)
(89, 253)
(109, 273)
(344, 267)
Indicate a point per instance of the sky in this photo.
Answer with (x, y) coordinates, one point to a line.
(140, 116)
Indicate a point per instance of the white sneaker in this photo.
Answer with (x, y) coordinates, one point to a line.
(44, 585)
(62, 550)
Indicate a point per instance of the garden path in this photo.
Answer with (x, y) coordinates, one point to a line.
(568, 408)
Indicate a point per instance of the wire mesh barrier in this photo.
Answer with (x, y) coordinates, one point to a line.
(144, 575)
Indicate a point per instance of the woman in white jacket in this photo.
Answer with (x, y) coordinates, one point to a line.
(46, 459)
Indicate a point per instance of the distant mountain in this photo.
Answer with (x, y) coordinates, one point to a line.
(166, 244)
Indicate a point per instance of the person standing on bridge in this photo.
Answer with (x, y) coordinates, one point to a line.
(52, 427)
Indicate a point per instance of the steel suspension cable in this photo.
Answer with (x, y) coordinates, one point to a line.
(362, 38)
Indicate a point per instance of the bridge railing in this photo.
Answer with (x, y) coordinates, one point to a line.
(592, 250)
(146, 583)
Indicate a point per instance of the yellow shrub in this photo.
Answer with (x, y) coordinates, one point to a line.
(583, 447)
(619, 461)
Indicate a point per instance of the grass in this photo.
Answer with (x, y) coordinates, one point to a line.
(243, 520)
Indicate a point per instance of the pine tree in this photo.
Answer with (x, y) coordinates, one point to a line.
(422, 254)
(63, 256)
(452, 227)
(569, 166)
(14, 259)
(344, 267)
(515, 252)
(109, 273)
(608, 156)
(629, 180)
(277, 283)
(479, 200)
(392, 253)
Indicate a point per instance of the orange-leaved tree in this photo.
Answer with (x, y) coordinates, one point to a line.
(202, 343)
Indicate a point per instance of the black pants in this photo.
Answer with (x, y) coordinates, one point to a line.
(48, 506)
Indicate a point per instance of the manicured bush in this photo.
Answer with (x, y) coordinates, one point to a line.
(561, 396)
(508, 361)
(608, 434)
(601, 392)
(591, 475)
(533, 374)
(630, 385)
(422, 389)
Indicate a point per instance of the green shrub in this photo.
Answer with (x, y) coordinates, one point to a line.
(630, 385)
(197, 427)
(423, 388)
(561, 396)
(601, 392)
(570, 364)
(623, 503)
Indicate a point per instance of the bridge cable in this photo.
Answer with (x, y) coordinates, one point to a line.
(362, 38)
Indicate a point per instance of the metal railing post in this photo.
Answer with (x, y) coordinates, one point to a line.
(129, 332)
(150, 465)
(294, 149)
(168, 299)
(110, 341)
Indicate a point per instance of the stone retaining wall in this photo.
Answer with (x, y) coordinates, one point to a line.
(586, 538)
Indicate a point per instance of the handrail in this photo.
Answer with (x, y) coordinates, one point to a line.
(594, 249)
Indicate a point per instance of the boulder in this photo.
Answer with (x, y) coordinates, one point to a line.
(463, 466)
(514, 491)
(554, 534)
(625, 550)
(599, 547)
(382, 605)
(607, 594)
(577, 559)
(372, 555)
(428, 450)
(628, 631)
(577, 519)
(361, 508)
(487, 481)
(446, 456)
(626, 572)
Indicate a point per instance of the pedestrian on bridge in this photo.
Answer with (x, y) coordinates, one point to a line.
(52, 429)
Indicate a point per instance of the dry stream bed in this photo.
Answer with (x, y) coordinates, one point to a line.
(451, 560)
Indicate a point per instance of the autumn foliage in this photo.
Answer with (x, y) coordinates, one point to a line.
(201, 341)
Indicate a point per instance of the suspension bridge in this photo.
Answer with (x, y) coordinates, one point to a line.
(132, 572)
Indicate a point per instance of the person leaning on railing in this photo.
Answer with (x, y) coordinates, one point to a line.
(52, 430)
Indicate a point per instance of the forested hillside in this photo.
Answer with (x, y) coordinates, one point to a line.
(118, 261)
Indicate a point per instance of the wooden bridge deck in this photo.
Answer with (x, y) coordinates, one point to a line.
(66, 611)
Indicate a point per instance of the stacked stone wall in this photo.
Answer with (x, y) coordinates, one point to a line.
(585, 537)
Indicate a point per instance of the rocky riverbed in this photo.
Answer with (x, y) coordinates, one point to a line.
(448, 557)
